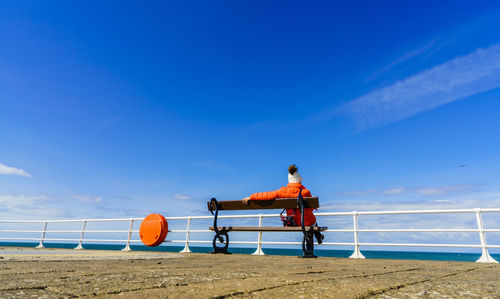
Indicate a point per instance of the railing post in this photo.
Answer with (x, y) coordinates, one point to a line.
(485, 255)
(188, 228)
(43, 235)
(356, 254)
(259, 241)
(130, 226)
(81, 235)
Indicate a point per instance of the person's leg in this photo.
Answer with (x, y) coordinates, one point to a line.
(319, 236)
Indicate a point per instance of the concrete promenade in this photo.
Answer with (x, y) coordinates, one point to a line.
(59, 273)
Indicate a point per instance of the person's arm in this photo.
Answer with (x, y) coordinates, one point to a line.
(261, 196)
(264, 195)
(306, 193)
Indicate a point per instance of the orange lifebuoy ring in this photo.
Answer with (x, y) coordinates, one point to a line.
(154, 229)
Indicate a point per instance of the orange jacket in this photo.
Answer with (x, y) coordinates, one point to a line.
(291, 190)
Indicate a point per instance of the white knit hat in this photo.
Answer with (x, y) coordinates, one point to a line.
(294, 175)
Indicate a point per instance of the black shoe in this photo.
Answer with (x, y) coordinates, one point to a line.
(320, 239)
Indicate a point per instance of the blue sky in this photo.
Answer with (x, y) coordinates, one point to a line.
(123, 109)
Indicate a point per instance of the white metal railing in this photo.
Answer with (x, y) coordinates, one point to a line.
(485, 256)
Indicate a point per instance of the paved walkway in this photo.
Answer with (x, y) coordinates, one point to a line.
(72, 273)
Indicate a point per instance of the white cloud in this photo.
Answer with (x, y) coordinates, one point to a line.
(394, 191)
(210, 165)
(476, 199)
(408, 56)
(31, 206)
(181, 196)
(7, 170)
(424, 204)
(357, 193)
(14, 201)
(427, 191)
(455, 79)
(86, 198)
(442, 190)
(108, 122)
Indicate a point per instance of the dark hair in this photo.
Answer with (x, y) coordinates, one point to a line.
(292, 169)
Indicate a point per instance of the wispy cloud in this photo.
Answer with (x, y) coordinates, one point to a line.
(210, 164)
(13, 201)
(87, 198)
(355, 193)
(181, 196)
(108, 122)
(408, 56)
(7, 170)
(445, 189)
(15, 206)
(480, 199)
(455, 79)
(394, 191)
(427, 191)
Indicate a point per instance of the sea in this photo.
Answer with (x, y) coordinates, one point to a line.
(369, 254)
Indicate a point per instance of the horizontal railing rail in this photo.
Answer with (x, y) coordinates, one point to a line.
(480, 229)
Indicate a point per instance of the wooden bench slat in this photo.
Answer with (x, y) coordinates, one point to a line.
(268, 229)
(278, 203)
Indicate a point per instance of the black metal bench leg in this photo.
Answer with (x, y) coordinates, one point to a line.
(308, 245)
(223, 238)
(220, 235)
(307, 240)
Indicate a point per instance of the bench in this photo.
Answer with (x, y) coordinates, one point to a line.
(221, 232)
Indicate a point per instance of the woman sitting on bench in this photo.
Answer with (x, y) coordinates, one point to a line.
(291, 190)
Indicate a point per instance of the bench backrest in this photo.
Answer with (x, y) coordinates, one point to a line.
(278, 203)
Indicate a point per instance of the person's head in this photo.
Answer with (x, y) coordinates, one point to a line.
(293, 174)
